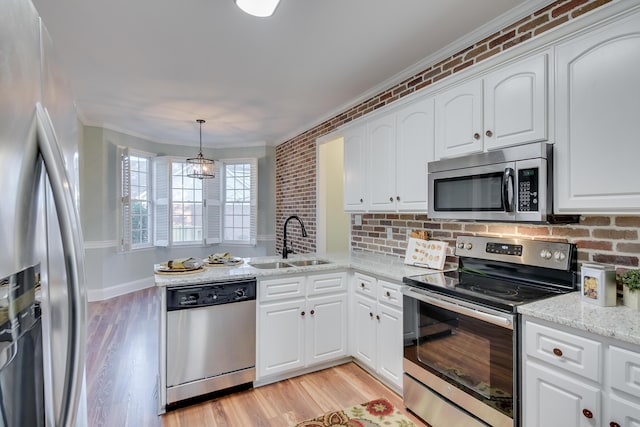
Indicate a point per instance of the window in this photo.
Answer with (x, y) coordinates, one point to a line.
(136, 206)
(238, 202)
(210, 211)
(186, 205)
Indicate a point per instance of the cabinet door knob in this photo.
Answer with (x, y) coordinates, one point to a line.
(489, 133)
(302, 314)
(614, 424)
(557, 352)
(391, 199)
(388, 294)
(587, 413)
(398, 198)
(361, 200)
(476, 135)
(371, 314)
(377, 317)
(362, 285)
(312, 312)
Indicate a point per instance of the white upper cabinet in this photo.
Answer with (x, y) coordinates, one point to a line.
(414, 149)
(381, 170)
(515, 100)
(597, 114)
(459, 120)
(386, 165)
(506, 107)
(354, 169)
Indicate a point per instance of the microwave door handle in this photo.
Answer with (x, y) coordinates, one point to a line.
(507, 189)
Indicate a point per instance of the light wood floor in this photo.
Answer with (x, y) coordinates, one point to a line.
(122, 364)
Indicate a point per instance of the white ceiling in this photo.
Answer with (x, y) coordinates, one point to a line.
(150, 68)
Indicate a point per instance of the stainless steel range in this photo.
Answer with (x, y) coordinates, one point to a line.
(461, 328)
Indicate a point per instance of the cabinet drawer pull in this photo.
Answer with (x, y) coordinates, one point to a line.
(476, 135)
(557, 352)
(489, 133)
(302, 314)
(312, 312)
(388, 294)
(587, 413)
(614, 424)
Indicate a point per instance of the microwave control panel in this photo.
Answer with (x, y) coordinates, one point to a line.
(528, 190)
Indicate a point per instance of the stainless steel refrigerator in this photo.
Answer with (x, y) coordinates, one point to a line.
(42, 297)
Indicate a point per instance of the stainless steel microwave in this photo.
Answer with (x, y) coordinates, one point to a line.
(511, 184)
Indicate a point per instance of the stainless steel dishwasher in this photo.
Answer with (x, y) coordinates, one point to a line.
(210, 338)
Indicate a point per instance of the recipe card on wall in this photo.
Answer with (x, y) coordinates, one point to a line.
(426, 253)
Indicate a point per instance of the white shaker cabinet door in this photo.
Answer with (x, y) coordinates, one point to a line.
(459, 120)
(381, 170)
(554, 399)
(390, 345)
(364, 331)
(597, 113)
(354, 169)
(414, 149)
(281, 338)
(326, 328)
(515, 99)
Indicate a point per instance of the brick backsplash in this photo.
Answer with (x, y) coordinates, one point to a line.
(605, 239)
(296, 158)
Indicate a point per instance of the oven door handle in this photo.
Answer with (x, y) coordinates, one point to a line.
(460, 309)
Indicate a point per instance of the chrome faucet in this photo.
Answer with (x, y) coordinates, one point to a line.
(286, 251)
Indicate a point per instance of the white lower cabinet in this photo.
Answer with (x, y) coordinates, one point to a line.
(302, 321)
(574, 378)
(377, 328)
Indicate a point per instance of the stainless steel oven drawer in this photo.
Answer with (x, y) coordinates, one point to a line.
(432, 408)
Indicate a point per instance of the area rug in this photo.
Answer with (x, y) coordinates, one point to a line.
(377, 413)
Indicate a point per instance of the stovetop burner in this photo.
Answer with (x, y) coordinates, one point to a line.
(504, 273)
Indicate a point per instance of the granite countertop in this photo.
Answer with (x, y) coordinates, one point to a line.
(387, 267)
(620, 322)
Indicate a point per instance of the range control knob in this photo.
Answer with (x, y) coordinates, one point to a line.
(559, 256)
(460, 245)
(240, 293)
(546, 254)
(468, 246)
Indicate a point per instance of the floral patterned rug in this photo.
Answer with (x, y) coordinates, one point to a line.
(377, 413)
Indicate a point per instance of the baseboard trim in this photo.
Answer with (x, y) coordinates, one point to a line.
(121, 289)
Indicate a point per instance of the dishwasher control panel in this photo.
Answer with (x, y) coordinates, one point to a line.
(207, 294)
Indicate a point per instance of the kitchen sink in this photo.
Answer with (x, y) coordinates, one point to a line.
(270, 265)
(308, 262)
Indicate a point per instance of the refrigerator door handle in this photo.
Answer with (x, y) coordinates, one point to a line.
(72, 244)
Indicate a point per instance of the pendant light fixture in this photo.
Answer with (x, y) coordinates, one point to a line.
(259, 8)
(199, 167)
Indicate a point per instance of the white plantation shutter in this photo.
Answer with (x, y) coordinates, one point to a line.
(254, 201)
(212, 207)
(125, 199)
(161, 193)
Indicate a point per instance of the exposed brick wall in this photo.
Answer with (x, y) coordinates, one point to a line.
(296, 158)
(607, 239)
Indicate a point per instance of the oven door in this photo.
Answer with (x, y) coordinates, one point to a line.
(463, 354)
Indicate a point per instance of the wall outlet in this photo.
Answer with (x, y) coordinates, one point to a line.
(358, 219)
(389, 233)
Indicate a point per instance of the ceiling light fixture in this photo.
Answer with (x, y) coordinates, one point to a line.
(199, 167)
(260, 8)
